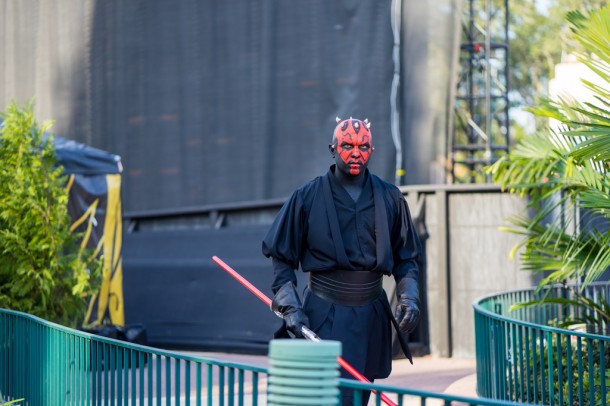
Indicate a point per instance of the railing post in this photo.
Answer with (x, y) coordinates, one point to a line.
(498, 358)
(550, 367)
(303, 372)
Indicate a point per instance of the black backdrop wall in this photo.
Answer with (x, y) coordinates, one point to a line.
(230, 101)
(227, 101)
(212, 102)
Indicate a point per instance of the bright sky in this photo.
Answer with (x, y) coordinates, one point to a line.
(543, 5)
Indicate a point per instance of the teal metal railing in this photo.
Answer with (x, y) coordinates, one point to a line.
(521, 357)
(408, 396)
(48, 364)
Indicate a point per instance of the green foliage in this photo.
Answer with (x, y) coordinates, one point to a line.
(11, 403)
(584, 311)
(585, 372)
(538, 39)
(43, 270)
(565, 174)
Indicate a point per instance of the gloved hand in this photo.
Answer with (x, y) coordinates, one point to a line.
(286, 302)
(407, 309)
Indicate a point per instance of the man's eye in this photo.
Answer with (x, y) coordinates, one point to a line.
(347, 146)
(364, 147)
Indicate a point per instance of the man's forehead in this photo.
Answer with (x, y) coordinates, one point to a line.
(361, 138)
(354, 129)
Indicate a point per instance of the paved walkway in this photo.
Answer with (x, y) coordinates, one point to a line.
(449, 375)
(444, 375)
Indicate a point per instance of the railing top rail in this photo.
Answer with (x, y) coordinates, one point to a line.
(478, 307)
(349, 383)
(133, 346)
(399, 391)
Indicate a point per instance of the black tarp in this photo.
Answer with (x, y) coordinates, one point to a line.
(185, 300)
(94, 204)
(210, 102)
(235, 101)
(81, 159)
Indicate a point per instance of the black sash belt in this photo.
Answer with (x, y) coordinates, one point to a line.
(347, 288)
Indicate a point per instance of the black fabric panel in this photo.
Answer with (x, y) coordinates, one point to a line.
(210, 102)
(84, 192)
(184, 300)
(81, 159)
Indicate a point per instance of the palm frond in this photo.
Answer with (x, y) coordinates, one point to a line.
(592, 31)
(532, 164)
(597, 120)
(548, 108)
(565, 172)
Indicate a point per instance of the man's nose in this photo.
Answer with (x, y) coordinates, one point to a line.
(356, 152)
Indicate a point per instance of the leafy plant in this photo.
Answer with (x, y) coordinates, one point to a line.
(43, 269)
(538, 38)
(11, 403)
(564, 173)
(583, 384)
(4, 402)
(579, 310)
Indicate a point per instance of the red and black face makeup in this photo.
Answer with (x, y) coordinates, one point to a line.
(354, 144)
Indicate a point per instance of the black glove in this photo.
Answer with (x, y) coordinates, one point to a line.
(407, 309)
(286, 302)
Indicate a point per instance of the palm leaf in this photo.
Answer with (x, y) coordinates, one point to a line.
(566, 172)
(597, 119)
(597, 148)
(548, 108)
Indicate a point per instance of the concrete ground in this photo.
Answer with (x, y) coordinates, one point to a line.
(446, 375)
(442, 375)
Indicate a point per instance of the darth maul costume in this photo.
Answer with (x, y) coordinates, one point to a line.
(346, 245)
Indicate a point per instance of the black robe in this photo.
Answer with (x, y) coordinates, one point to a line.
(321, 229)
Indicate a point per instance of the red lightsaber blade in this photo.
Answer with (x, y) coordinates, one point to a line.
(307, 333)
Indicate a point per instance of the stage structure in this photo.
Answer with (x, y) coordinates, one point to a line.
(480, 130)
(216, 105)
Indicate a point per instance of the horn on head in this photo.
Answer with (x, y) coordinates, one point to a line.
(337, 119)
(367, 123)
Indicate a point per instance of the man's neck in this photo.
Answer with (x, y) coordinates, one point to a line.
(352, 184)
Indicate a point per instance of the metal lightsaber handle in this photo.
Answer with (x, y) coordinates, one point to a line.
(307, 333)
(310, 335)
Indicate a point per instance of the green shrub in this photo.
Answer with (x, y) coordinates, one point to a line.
(566, 175)
(11, 403)
(43, 269)
(584, 372)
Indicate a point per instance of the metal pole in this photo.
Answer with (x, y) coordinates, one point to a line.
(488, 110)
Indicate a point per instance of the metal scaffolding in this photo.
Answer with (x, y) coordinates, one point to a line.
(481, 124)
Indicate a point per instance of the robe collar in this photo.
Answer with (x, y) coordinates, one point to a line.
(382, 232)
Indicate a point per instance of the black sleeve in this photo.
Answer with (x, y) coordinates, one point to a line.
(282, 273)
(406, 245)
(283, 242)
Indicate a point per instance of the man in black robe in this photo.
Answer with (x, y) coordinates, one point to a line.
(347, 229)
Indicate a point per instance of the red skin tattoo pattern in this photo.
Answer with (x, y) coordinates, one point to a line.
(354, 144)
